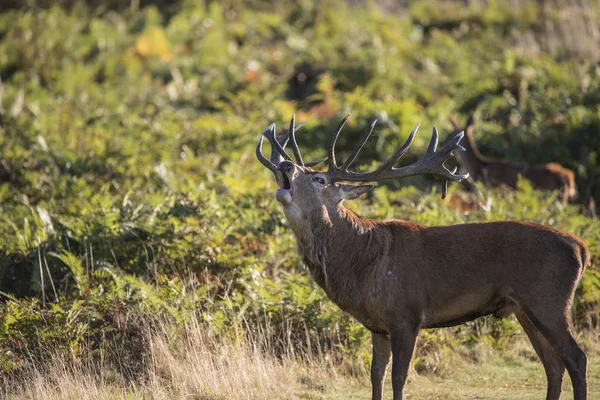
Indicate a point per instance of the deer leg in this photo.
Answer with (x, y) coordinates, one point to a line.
(403, 346)
(382, 352)
(555, 328)
(553, 365)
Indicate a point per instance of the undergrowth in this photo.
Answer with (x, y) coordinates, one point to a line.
(130, 196)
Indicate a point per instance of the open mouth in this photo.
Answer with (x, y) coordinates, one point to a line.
(284, 193)
(285, 181)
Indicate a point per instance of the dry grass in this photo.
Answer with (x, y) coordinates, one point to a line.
(194, 363)
(200, 368)
(187, 364)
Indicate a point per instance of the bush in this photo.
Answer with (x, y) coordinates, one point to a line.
(129, 188)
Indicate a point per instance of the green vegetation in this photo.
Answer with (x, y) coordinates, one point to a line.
(132, 206)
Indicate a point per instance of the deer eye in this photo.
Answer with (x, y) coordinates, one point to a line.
(318, 179)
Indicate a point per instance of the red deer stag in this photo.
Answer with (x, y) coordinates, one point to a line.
(496, 172)
(397, 277)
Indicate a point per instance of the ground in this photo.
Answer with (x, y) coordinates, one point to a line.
(502, 377)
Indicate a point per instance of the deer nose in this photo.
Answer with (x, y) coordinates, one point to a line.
(285, 166)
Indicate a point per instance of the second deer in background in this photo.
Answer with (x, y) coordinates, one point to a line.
(497, 172)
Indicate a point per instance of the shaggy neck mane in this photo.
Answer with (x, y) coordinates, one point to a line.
(339, 249)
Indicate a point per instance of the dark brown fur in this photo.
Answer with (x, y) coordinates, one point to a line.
(397, 277)
(497, 172)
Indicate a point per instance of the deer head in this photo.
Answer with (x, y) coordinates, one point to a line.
(304, 191)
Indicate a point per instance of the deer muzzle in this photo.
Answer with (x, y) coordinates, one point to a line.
(285, 169)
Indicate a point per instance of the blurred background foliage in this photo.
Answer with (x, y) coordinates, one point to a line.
(129, 188)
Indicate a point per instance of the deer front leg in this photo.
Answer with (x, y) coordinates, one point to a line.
(382, 352)
(403, 345)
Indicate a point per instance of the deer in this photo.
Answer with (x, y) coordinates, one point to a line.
(497, 172)
(398, 277)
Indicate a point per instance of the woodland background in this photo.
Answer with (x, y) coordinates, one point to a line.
(142, 252)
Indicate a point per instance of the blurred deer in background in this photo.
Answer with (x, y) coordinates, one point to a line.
(397, 277)
(496, 172)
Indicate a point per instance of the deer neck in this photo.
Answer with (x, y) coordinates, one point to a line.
(338, 248)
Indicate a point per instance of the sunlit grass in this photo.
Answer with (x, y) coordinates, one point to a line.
(194, 363)
(130, 194)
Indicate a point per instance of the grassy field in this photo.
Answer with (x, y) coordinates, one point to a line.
(142, 252)
(501, 377)
(193, 369)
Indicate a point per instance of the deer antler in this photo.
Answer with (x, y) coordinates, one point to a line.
(274, 158)
(278, 144)
(431, 163)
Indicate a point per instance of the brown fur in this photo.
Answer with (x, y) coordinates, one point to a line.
(397, 277)
(497, 172)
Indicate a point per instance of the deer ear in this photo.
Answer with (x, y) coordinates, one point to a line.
(471, 121)
(349, 192)
(470, 125)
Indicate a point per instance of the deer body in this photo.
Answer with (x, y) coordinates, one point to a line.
(378, 271)
(397, 277)
(497, 172)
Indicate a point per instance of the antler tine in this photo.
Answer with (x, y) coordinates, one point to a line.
(283, 140)
(359, 147)
(432, 163)
(316, 162)
(402, 150)
(445, 184)
(453, 143)
(331, 147)
(277, 151)
(308, 164)
(294, 144)
(261, 157)
(278, 144)
(433, 142)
